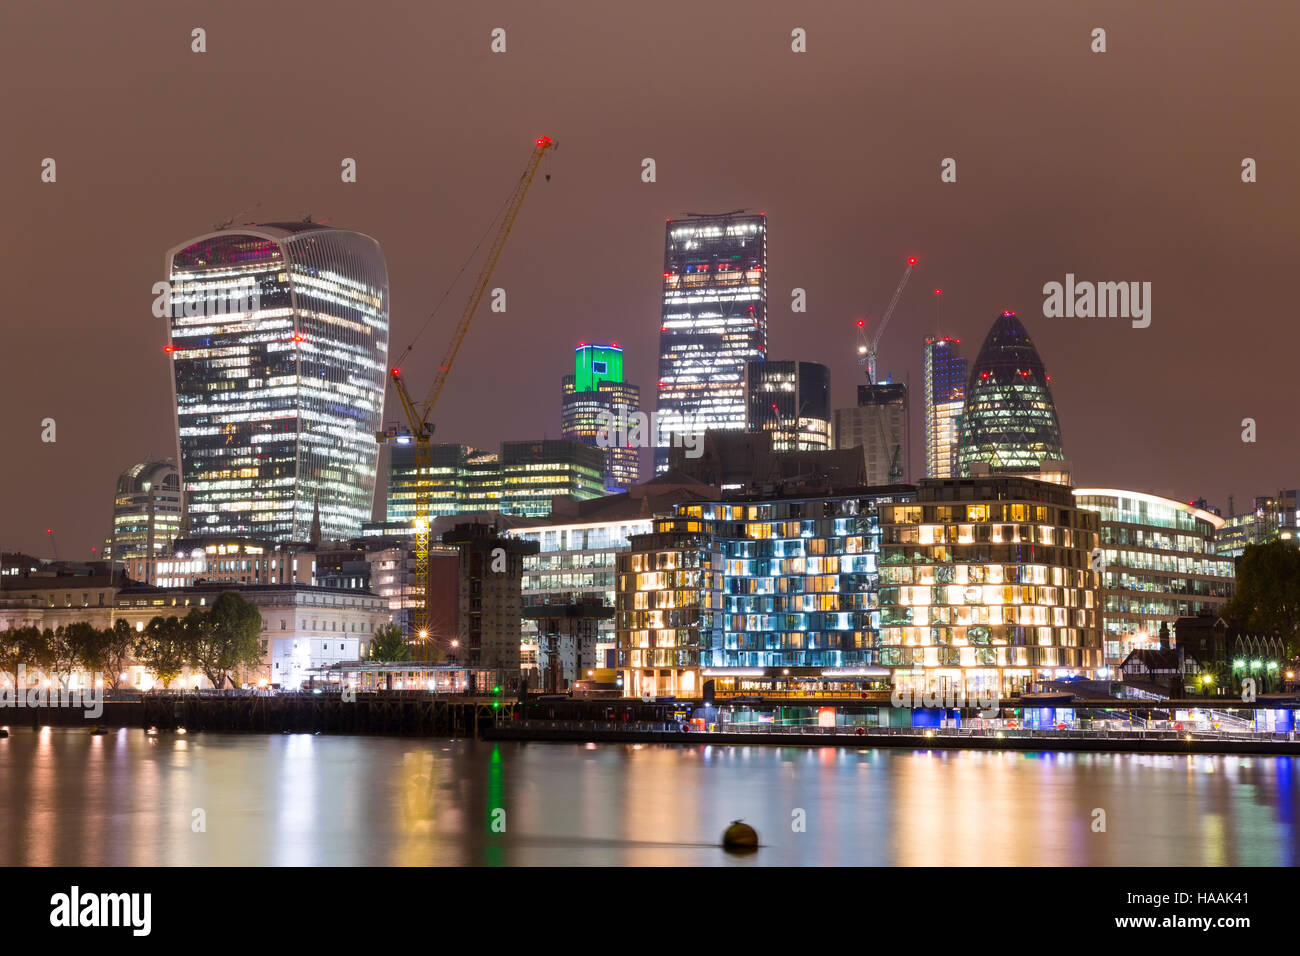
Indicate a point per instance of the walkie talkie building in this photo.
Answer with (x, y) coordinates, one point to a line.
(278, 337)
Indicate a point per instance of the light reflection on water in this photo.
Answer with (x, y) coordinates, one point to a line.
(296, 800)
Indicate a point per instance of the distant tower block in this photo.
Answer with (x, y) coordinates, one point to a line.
(714, 320)
(596, 395)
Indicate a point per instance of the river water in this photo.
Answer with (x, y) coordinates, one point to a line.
(126, 798)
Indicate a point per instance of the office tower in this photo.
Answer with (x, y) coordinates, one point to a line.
(714, 321)
(792, 400)
(1272, 518)
(945, 394)
(146, 514)
(598, 406)
(520, 480)
(278, 335)
(1009, 421)
(1160, 562)
(534, 472)
(878, 425)
(446, 480)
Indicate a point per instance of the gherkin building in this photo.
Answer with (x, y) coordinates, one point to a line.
(1009, 420)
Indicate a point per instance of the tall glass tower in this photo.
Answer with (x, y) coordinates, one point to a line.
(714, 321)
(595, 396)
(278, 336)
(792, 401)
(1009, 420)
(945, 394)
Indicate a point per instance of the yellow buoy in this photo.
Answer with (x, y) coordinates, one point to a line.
(740, 836)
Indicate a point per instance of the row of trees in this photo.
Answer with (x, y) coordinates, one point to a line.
(216, 642)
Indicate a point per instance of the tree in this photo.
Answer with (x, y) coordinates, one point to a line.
(13, 649)
(389, 644)
(31, 647)
(119, 649)
(57, 655)
(85, 647)
(162, 649)
(106, 652)
(229, 637)
(1267, 599)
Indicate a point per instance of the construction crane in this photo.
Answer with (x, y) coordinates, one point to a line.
(417, 416)
(867, 356)
(867, 346)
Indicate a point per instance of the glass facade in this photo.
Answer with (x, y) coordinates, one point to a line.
(986, 583)
(279, 345)
(576, 561)
(732, 584)
(146, 515)
(1161, 563)
(521, 480)
(1009, 420)
(599, 409)
(792, 401)
(448, 494)
(533, 472)
(945, 396)
(714, 321)
(1273, 518)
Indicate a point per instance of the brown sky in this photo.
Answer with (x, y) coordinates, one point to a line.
(1115, 166)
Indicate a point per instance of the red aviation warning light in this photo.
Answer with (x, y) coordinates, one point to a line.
(911, 260)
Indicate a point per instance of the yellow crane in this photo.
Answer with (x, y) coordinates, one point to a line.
(417, 416)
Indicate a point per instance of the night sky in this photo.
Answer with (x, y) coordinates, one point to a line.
(1122, 166)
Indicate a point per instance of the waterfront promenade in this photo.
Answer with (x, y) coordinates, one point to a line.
(1093, 726)
(939, 738)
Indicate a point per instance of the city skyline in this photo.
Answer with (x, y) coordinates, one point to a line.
(1043, 206)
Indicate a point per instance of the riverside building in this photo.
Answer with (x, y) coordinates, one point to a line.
(1161, 562)
(278, 341)
(731, 587)
(986, 583)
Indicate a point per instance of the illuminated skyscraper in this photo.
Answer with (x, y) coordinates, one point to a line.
(278, 336)
(945, 394)
(146, 514)
(714, 321)
(596, 400)
(792, 400)
(1009, 420)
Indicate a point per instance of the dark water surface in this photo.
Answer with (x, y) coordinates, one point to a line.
(127, 799)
